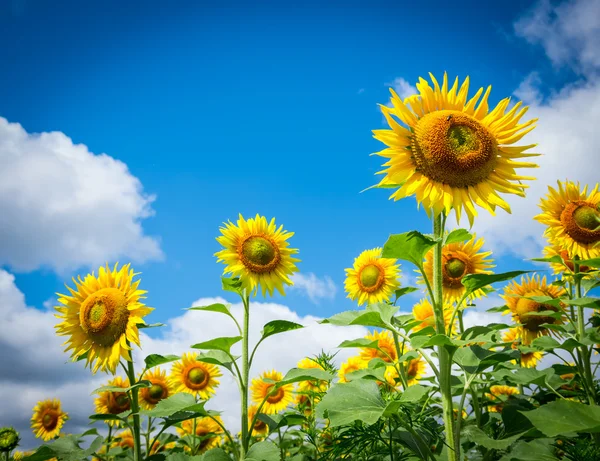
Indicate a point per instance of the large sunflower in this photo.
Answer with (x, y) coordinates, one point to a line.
(423, 311)
(458, 260)
(257, 251)
(386, 345)
(311, 386)
(101, 317)
(113, 403)
(352, 364)
(160, 389)
(372, 279)
(573, 219)
(524, 311)
(278, 400)
(48, 419)
(527, 359)
(451, 154)
(194, 377)
(500, 394)
(207, 429)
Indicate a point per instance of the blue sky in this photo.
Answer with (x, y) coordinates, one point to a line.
(219, 109)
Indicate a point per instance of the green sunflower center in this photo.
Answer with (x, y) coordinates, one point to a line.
(118, 402)
(196, 376)
(453, 148)
(369, 276)
(259, 254)
(581, 222)
(587, 217)
(155, 392)
(456, 268)
(103, 316)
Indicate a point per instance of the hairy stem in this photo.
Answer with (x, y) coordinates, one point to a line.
(245, 439)
(135, 409)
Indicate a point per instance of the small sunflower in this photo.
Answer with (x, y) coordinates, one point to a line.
(124, 439)
(260, 427)
(423, 311)
(458, 260)
(304, 403)
(113, 403)
(500, 393)
(451, 154)
(257, 251)
(277, 401)
(528, 359)
(102, 316)
(573, 219)
(48, 419)
(567, 264)
(372, 279)
(209, 431)
(455, 413)
(9, 439)
(386, 345)
(19, 455)
(311, 386)
(160, 389)
(349, 366)
(415, 369)
(516, 294)
(194, 377)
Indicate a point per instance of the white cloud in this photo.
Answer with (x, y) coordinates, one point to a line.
(402, 87)
(314, 287)
(63, 206)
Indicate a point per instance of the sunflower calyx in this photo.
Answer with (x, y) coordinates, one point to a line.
(9, 439)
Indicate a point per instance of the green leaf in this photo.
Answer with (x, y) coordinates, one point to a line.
(279, 326)
(536, 450)
(404, 291)
(105, 417)
(296, 375)
(414, 393)
(277, 421)
(594, 262)
(118, 389)
(562, 417)
(410, 246)
(498, 309)
(174, 404)
(474, 282)
(65, 448)
(436, 340)
(556, 259)
(219, 344)
(458, 235)
(360, 342)
(476, 435)
(475, 359)
(216, 358)
(377, 374)
(345, 403)
(154, 360)
(263, 451)
(186, 457)
(364, 318)
(216, 454)
(233, 284)
(217, 307)
(141, 326)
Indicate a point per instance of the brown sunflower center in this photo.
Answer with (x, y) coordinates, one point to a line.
(259, 425)
(525, 308)
(453, 148)
(118, 402)
(581, 221)
(454, 268)
(155, 392)
(413, 368)
(371, 278)
(197, 378)
(50, 420)
(259, 254)
(103, 316)
(277, 396)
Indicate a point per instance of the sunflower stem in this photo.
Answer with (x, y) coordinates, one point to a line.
(135, 409)
(245, 376)
(584, 351)
(445, 360)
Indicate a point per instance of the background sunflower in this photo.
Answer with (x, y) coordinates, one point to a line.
(113, 403)
(372, 278)
(207, 429)
(48, 419)
(160, 389)
(276, 402)
(194, 377)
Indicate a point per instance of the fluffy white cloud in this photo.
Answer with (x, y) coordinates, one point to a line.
(314, 287)
(402, 87)
(63, 206)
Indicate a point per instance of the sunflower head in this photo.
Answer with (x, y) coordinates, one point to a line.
(386, 345)
(528, 359)
(423, 312)
(101, 315)
(114, 403)
(258, 252)
(275, 400)
(311, 386)
(372, 279)
(206, 428)
(352, 364)
(260, 427)
(500, 394)
(9, 439)
(48, 419)
(451, 152)
(160, 388)
(124, 439)
(194, 377)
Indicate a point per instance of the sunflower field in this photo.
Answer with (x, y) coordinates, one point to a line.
(420, 385)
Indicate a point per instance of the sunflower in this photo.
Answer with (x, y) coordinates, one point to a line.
(500, 393)
(19, 455)
(48, 419)
(194, 377)
(260, 427)
(311, 386)
(386, 345)
(415, 369)
(160, 389)
(450, 153)
(573, 219)
(124, 439)
(516, 294)
(258, 253)
(113, 403)
(423, 311)
(567, 264)
(528, 359)
(372, 279)
(207, 429)
(305, 403)
(101, 317)
(349, 366)
(458, 260)
(277, 401)
(455, 413)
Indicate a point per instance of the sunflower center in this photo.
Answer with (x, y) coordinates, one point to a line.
(371, 278)
(456, 268)
(50, 420)
(155, 392)
(118, 402)
(197, 376)
(277, 396)
(259, 425)
(524, 309)
(259, 254)
(581, 221)
(453, 148)
(103, 316)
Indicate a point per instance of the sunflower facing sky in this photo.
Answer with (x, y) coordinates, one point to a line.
(423, 311)
(207, 429)
(276, 402)
(113, 403)
(452, 153)
(516, 294)
(101, 317)
(258, 252)
(160, 389)
(194, 377)
(48, 419)
(372, 278)
(573, 219)
(458, 260)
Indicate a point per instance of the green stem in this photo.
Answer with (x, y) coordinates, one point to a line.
(445, 360)
(245, 377)
(148, 447)
(391, 442)
(476, 407)
(466, 387)
(401, 370)
(281, 450)
(135, 409)
(584, 351)
(194, 425)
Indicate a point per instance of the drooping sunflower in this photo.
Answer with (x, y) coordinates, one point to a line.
(194, 377)
(386, 345)
(527, 359)
(278, 400)
(451, 154)
(260, 427)
(48, 419)
(311, 386)
(458, 260)
(160, 389)
(423, 311)
(500, 394)
(207, 429)
(101, 317)
(566, 265)
(372, 278)
(524, 310)
(352, 364)
(573, 219)
(113, 403)
(258, 252)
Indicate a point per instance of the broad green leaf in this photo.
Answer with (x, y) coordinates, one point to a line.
(536, 450)
(414, 393)
(377, 374)
(118, 389)
(186, 457)
(216, 454)
(556, 259)
(263, 451)
(498, 309)
(141, 326)
(345, 403)
(66, 448)
(562, 417)
(217, 307)
(476, 435)
(279, 326)
(364, 318)
(218, 344)
(105, 417)
(436, 340)
(386, 312)
(277, 421)
(233, 284)
(475, 359)
(410, 246)
(594, 262)
(296, 375)
(404, 291)
(360, 342)
(154, 360)
(474, 282)
(458, 235)
(216, 358)
(173, 404)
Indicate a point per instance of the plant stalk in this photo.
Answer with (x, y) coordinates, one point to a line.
(135, 409)
(245, 376)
